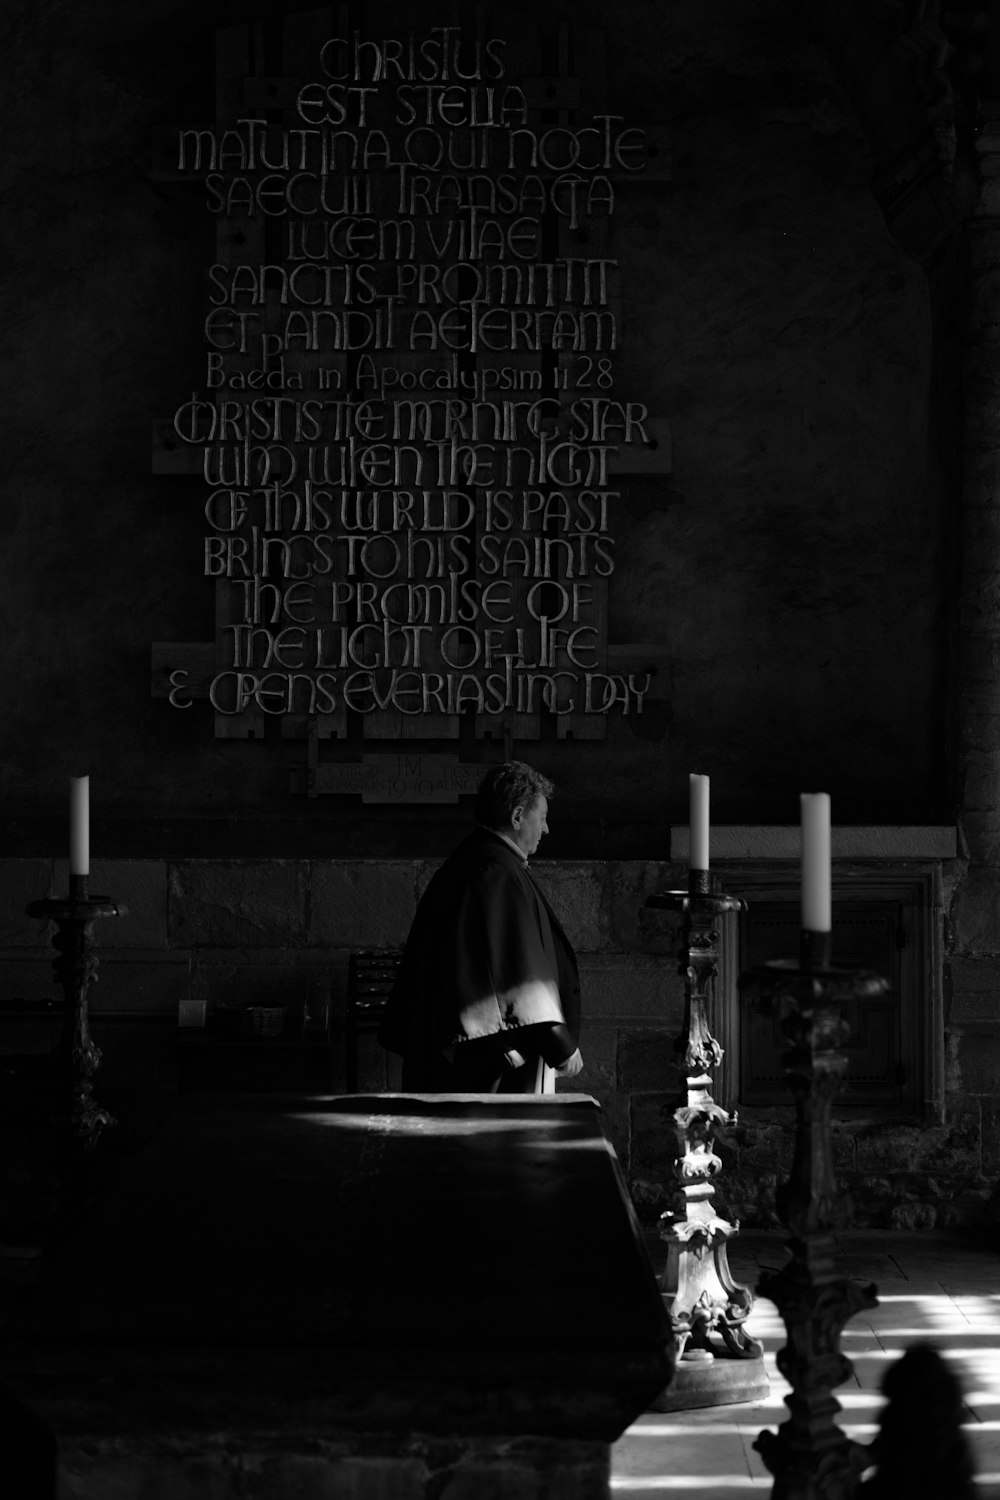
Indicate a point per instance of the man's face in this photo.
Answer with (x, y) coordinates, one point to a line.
(528, 824)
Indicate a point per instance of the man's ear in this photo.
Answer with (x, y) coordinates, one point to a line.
(517, 817)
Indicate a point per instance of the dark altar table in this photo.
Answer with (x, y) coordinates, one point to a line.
(350, 1281)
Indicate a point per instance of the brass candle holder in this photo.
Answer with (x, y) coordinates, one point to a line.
(810, 1456)
(717, 1360)
(77, 1055)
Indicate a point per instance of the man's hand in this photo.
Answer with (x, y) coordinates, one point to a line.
(571, 1066)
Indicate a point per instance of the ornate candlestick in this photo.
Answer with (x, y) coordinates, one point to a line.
(75, 970)
(810, 1457)
(717, 1361)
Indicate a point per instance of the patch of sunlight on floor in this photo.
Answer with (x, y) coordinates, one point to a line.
(950, 1328)
(967, 1355)
(695, 1455)
(663, 1482)
(734, 1429)
(682, 1429)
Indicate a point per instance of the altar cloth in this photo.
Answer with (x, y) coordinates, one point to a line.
(381, 1262)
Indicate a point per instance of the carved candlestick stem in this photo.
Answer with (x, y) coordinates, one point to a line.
(75, 970)
(718, 1362)
(810, 1456)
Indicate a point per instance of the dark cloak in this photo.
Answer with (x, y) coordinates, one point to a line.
(486, 956)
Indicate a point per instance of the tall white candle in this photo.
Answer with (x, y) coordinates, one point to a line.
(79, 825)
(699, 822)
(816, 914)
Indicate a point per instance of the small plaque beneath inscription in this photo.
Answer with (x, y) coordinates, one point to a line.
(402, 778)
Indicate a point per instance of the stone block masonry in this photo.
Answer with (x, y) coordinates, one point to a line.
(350, 1467)
(280, 931)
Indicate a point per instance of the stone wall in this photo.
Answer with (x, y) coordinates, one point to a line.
(281, 931)
(796, 575)
(767, 315)
(162, 1467)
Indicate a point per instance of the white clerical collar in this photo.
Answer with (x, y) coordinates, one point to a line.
(507, 840)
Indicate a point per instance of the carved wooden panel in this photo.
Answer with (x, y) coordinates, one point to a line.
(865, 934)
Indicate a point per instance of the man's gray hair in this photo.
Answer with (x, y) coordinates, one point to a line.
(506, 787)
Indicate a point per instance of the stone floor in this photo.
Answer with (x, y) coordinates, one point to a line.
(930, 1287)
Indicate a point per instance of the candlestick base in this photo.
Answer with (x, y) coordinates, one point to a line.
(702, 1379)
(77, 1055)
(717, 1360)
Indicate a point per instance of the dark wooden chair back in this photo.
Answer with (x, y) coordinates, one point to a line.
(370, 976)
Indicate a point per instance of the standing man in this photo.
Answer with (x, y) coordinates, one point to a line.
(488, 990)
